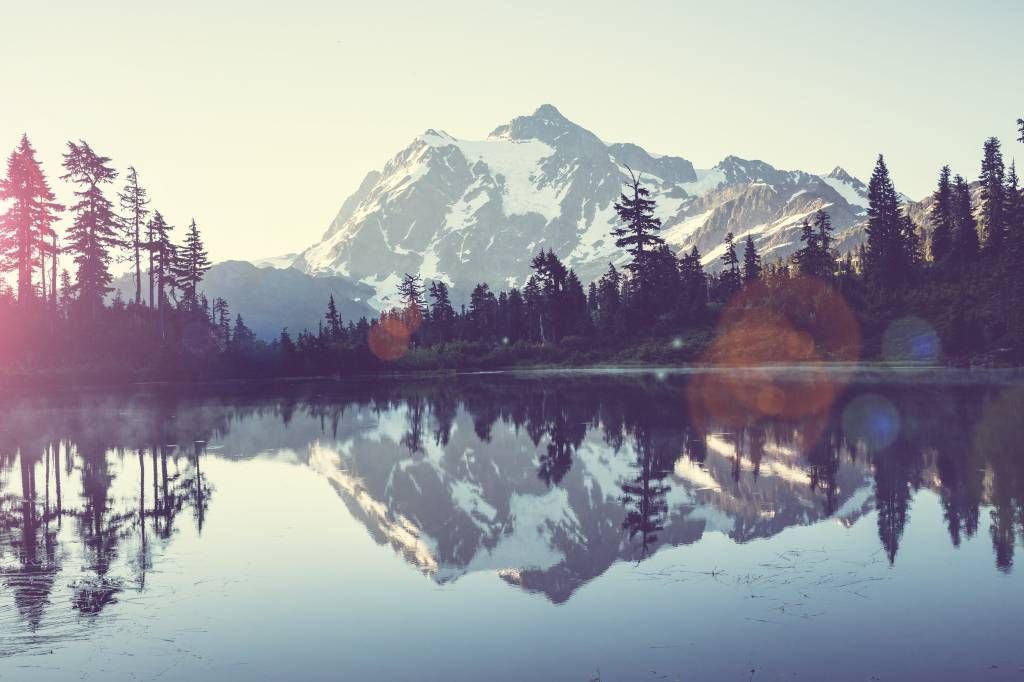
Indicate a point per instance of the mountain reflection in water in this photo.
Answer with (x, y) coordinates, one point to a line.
(545, 479)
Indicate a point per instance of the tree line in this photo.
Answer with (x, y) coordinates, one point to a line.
(960, 271)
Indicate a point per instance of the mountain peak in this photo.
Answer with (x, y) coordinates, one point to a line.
(549, 112)
(546, 124)
(839, 173)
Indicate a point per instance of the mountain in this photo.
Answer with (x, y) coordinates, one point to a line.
(477, 211)
(269, 298)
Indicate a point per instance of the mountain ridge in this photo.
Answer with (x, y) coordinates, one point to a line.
(469, 211)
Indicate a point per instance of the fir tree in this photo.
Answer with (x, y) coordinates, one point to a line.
(693, 284)
(93, 233)
(638, 233)
(442, 314)
(941, 218)
(133, 202)
(825, 259)
(162, 258)
(889, 255)
(1014, 210)
(222, 320)
(993, 200)
(26, 227)
(191, 265)
(410, 289)
(965, 237)
(806, 257)
(730, 277)
(609, 301)
(334, 328)
(751, 262)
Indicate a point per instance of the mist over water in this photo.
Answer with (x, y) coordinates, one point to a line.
(569, 526)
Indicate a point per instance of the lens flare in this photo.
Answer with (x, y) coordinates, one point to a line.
(765, 331)
(910, 339)
(872, 420)
(389, 339)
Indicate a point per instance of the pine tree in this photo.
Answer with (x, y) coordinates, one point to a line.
(941, 218)
(533, 300)
(67, 291)
(730, 277)
(609, 301)
(411, 291)
(242, 338)
(806, 257)
(483, 308)
(334, 328)
(26, 227)
(190, 267)
(638, 231)
(162, 258)
(222, 320)
(993, 200)
(965, 236)
(1014, 210)
(576, 319)
(888, 254)
(694, 285)
(551, 276)
(442, 314)
(133, 202)
(93, 233)
(751, 262)
(825, 260)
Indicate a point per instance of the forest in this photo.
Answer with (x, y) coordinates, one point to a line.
(942, 292)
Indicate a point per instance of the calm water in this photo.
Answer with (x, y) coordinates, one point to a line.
(533, 527)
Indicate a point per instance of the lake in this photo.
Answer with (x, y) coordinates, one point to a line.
(799, 524)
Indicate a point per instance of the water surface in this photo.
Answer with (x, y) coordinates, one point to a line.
(532, 527)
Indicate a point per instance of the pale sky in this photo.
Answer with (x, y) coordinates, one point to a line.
(259, 118)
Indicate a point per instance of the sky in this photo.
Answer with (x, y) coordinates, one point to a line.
(259, 118)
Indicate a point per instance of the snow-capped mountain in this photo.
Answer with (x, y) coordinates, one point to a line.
(470, 504)
(477, 211)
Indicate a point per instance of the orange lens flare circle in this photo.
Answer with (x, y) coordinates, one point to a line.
(766, 327)
(389, 338)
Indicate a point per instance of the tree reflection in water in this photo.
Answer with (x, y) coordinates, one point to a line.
(580, 472)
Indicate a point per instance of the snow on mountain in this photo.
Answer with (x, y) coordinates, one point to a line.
(469, 211)
(469, 505)
(279, 262)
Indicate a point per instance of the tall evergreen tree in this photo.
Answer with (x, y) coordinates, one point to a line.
(410, 289)
(191, 265)
(806, 258)
(222, 322)
(693, 284)
(134, 204)
(162, 258)
(941, 218)
(93, 234)
(609, 301)
(638, 232)
(730, 277)
(442, 314)
(993, 198)
(26, 227)
(751, 261)
(890, 254)
(1014, 210)
(826, 260)
(334, 328)
(965, 236)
